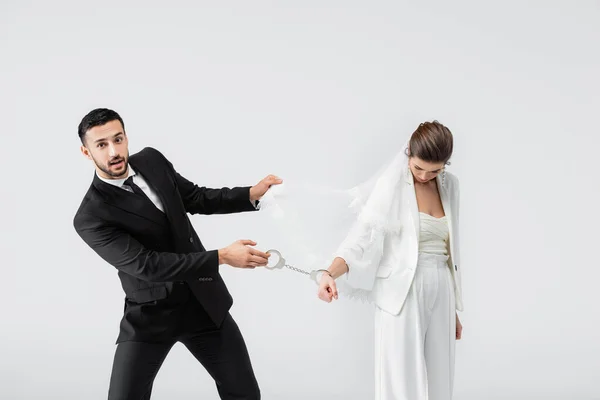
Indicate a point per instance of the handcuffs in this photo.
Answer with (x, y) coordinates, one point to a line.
(314, 275)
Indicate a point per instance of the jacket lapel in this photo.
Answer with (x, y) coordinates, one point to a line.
(165, 188)
(156, 181)
(446, 204)
(131, 202)
(411, 201)
(445, 198)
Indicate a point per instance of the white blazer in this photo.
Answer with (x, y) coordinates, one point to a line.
(390, 281)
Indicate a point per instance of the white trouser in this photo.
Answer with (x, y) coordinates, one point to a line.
(414, 351)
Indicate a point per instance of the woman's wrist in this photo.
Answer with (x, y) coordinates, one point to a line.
(321, 272)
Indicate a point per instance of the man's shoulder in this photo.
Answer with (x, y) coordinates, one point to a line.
(149, 152)
(89, 207)
(151, 156)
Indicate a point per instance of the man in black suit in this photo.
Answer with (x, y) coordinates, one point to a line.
(134, 216)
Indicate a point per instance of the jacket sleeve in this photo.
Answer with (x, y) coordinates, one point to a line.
(203, 200)
(126, 254)
(362, 251)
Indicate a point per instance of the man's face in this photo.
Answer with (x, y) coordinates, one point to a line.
(106, 146)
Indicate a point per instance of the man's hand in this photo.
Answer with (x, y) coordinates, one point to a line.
(239, 255)
(258, 191)
(459, 328)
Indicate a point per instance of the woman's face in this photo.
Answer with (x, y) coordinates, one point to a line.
(424, 171)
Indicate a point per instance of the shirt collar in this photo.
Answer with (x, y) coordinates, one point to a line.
(118, 182)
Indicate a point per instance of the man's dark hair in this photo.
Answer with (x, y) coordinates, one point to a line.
(97, 117)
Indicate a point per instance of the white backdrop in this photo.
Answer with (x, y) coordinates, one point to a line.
(232, 91)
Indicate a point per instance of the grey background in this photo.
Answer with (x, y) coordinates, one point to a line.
(232, 91)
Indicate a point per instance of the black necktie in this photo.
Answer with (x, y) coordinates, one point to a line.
(136, 188)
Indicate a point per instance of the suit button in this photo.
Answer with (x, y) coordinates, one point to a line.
(191, 239)
(456, 267)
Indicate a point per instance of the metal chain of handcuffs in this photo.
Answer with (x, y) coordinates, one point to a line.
(281, 263)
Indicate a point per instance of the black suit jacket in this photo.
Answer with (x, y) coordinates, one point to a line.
(152, 250)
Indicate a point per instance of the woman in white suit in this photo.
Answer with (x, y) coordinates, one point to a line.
(404, 251)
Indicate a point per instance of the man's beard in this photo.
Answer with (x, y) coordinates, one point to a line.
(112, 173)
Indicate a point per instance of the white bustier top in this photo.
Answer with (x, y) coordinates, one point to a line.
(434, 234)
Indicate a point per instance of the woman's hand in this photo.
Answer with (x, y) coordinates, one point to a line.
(458, 328)
(327, 288)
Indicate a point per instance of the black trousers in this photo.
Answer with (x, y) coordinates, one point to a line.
(222, 351)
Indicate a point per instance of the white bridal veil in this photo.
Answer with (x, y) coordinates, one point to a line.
(311, 225)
